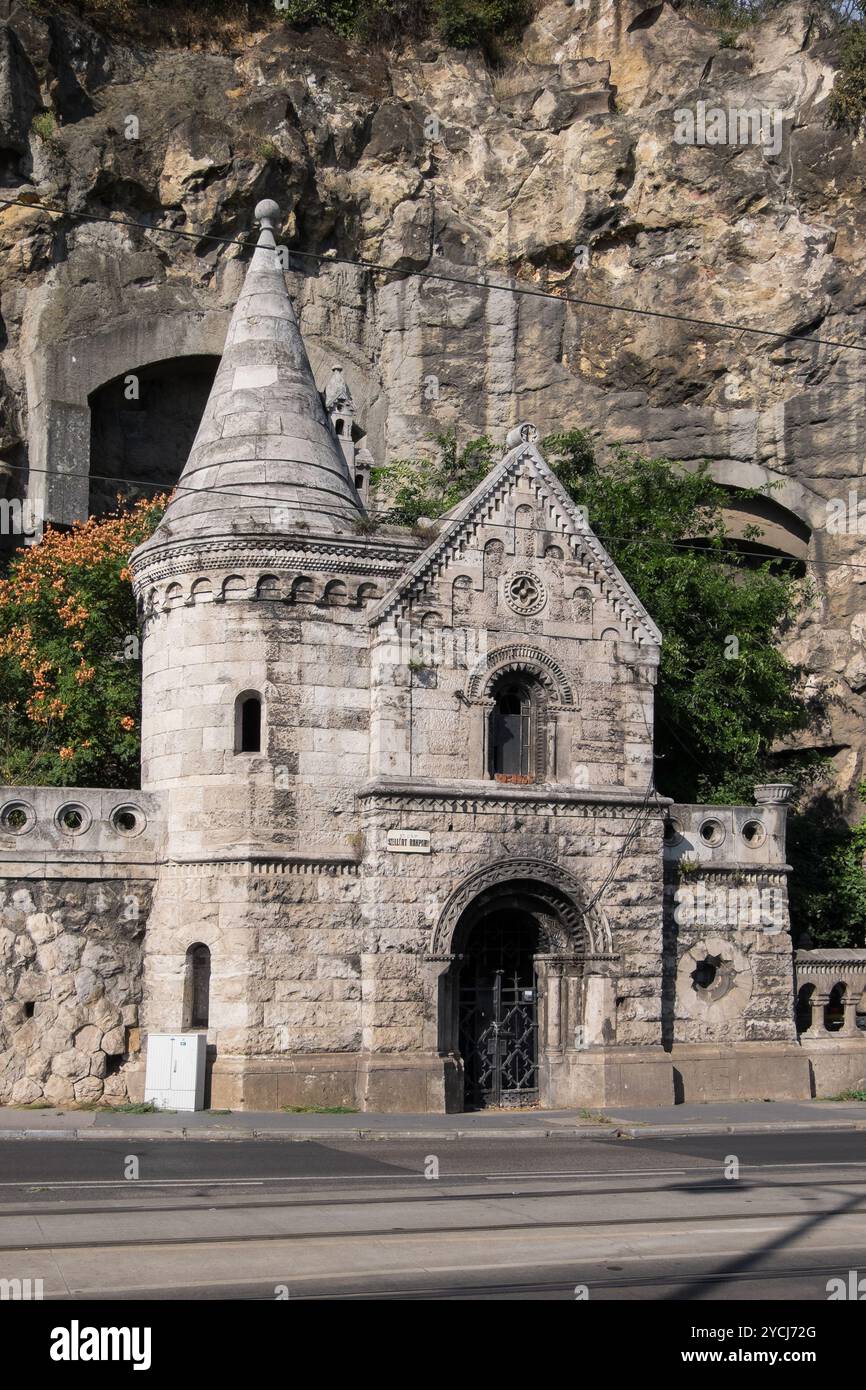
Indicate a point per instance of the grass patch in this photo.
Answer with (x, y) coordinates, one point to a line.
(849, 1095)
(44, 125)
(142, 1107)
(318, 1110)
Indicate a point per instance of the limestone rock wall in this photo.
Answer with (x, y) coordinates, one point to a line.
(70, 988)
(559, 171)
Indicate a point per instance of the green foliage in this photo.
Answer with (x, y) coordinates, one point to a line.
(461, 23)
(70, 677)
(828, 890)
(464, 23)
(847, 103)
(429, 487)
(344, 16)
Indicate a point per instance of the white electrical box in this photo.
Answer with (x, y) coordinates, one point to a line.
(174, 1079)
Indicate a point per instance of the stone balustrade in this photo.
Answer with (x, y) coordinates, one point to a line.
(831, 993)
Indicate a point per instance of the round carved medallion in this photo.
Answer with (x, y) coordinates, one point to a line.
(524, 592)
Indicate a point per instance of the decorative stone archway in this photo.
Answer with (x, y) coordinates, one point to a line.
(573, 963)
(581, 923)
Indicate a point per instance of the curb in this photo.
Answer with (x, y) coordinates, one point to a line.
(612, 1131)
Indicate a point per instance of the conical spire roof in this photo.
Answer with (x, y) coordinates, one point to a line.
(265, 460)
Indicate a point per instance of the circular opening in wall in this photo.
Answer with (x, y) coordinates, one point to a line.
(17, 816)
(712, 978)
(754, 833)
(73, 819)
(673, 831)
(705, 972)
(128, 820)
(712, 832)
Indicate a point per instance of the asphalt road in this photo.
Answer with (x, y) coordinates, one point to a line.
(524, 1219)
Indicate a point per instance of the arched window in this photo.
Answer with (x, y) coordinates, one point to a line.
(248, 723)
(513, 728)
(196, 987)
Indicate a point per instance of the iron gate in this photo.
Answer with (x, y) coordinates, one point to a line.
(499, 1039)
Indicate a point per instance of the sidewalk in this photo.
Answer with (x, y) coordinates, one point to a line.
(739, 1117)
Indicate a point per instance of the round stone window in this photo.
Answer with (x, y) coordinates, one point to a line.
(128, 820)
(712, 832)
(17, 817)
(525, 593)
(754, 833)
(73, 818)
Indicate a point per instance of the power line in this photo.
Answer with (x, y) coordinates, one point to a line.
(526, 290)
(280, 502)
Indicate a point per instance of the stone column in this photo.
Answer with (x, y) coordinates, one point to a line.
(599, 1000)
(820, 1000)
(440, 1005)
(574, 1021)
(553, 1041)
(849, 1027)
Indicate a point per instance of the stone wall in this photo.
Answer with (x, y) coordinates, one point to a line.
(70, 988)
(76, 877)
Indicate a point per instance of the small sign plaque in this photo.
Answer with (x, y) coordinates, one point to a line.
(409, 841)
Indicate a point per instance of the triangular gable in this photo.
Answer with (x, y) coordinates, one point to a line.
(476, 509)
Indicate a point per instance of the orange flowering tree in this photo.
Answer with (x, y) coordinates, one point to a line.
(70, 673)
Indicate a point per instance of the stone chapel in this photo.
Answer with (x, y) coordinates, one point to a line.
(397, 845)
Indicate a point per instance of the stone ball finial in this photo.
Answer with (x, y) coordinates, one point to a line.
(267, 213)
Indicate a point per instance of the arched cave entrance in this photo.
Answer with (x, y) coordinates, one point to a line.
(142, 426)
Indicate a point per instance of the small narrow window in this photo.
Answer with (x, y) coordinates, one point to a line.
(511, 732)
(196, 987)
(248, 724)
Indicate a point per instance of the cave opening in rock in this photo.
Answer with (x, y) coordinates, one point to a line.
(142, 426)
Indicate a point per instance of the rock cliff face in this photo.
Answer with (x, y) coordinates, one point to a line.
(562, 171)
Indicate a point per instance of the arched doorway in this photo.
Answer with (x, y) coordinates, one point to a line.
(512, 1000)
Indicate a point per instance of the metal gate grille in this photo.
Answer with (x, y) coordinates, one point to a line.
(498, 1020)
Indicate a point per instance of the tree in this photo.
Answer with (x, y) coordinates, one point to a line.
(828, 887)
(70, 674)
